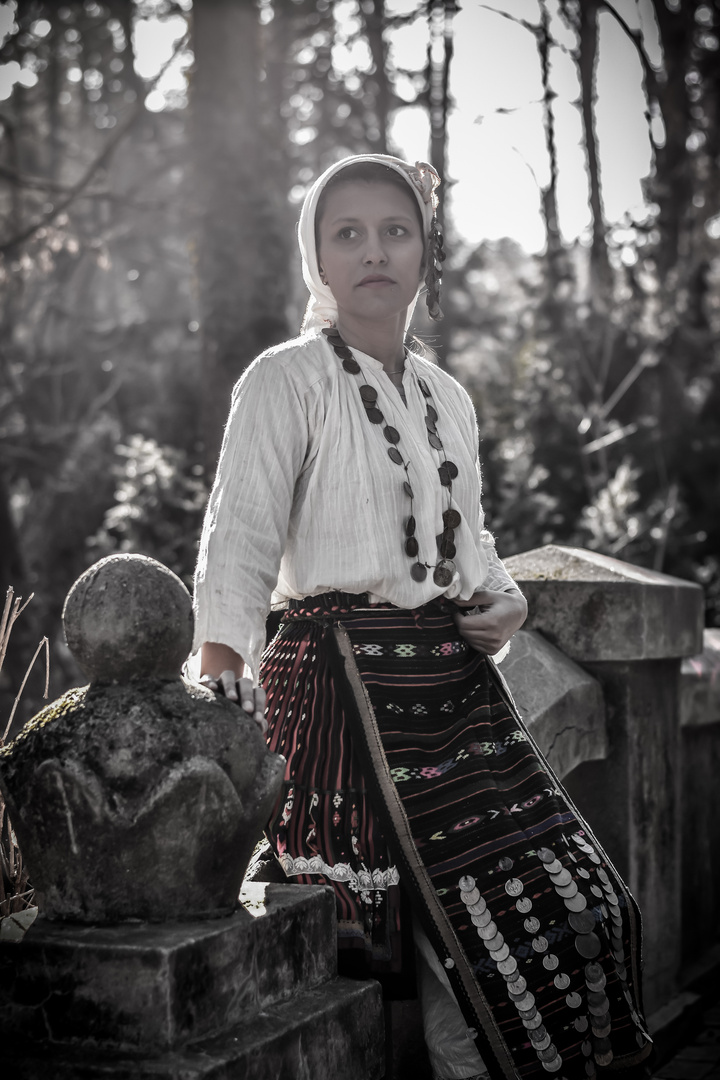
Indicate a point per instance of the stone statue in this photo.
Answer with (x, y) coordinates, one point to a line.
(140, 796)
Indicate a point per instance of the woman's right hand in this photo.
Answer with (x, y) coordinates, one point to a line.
(216, 657)
(250, 698)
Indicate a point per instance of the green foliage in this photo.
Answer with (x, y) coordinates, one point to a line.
(158, 507)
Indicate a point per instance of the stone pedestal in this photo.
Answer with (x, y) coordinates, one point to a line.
(700, 700)
(629, 628)
(253, 995)
(561, 704)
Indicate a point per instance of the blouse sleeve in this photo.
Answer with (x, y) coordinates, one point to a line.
(246, 521)
(497, 578)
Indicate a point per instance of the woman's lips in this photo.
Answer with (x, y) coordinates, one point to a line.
(376, 280)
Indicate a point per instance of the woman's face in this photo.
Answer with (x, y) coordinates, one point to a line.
(370, 250)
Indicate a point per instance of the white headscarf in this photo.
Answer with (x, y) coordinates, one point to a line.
(422, 181)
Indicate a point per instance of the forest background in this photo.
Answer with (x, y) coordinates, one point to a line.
(147, 255)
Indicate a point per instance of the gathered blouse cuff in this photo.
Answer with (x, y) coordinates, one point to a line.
(497, 578)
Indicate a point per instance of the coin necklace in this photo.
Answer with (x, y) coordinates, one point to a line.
(443, 571)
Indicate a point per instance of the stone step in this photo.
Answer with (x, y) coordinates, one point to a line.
(151, 987)
(332, 1032)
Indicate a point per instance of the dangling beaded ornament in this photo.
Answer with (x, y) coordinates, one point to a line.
(445, 568)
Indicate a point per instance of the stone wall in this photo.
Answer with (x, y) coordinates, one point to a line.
(597, 673)
(700, 737)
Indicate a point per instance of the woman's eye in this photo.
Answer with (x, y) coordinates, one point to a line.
(396, 230)
(347, 233)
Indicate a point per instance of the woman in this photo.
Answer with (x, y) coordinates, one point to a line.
(348, 488)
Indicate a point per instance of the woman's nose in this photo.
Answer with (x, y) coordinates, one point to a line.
(374, 250)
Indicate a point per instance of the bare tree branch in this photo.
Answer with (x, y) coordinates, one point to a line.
(635, 36)
(102, 158)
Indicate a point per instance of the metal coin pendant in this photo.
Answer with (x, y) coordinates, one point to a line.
(375, 416)
(344, 353)
(443, 573)
(451, 519)
(445, 478)
(588, 945)
(418, 572)
(452, 469)
(423, 388)
(594, 972)
(411, 547)
(408, 490)
(331, 331)
(391, 434)
(410, 531)
(395, 455)
(368, 393)
(582, 922)
(352, 366)
(435, 442)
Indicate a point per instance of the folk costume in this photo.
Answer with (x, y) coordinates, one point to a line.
(412, 786)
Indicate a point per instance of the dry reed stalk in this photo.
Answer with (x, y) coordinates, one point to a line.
(16, 893)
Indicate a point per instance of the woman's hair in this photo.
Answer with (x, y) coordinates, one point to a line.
(372, 172)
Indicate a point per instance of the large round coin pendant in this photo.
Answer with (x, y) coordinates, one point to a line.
(418, 572)
(443, 573)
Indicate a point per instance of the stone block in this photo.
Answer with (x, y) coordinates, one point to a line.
(334, 1032)
(700, 684)
(598, 609)
(152, 987)
(561, 704)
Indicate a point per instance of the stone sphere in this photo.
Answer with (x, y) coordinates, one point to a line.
(128, 617)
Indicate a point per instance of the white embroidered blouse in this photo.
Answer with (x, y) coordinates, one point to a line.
(306, 499)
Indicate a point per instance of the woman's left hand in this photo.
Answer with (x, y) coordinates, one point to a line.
(500, 615)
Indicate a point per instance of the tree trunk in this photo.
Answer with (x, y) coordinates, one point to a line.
(242, 254)
(549, 194)
(373, 16)
(672, 185)
(600, 273)
(439, 60)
